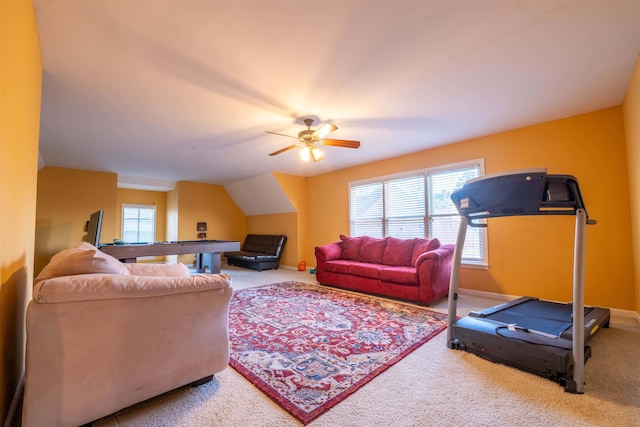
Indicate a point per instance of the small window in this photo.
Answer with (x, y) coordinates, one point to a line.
(138, 223)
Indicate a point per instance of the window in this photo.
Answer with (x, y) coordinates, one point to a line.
(417, 204)
(138, 223)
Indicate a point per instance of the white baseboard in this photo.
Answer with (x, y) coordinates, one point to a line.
(484, 294)
(615, 312)
(626, 314)
(15, 401)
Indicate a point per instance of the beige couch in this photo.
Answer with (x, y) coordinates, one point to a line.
(102, 335)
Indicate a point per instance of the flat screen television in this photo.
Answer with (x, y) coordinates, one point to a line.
(94, 227)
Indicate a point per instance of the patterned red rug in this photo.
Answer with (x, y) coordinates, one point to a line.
(308, 347)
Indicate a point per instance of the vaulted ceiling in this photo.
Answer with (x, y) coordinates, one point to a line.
(170, 90)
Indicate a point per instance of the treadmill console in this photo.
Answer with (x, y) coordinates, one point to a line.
(528, 192)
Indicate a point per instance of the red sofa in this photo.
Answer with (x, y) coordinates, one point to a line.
(416, 270)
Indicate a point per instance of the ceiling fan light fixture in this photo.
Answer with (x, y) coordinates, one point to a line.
(316, 154)
(312, 152)
(309, 138)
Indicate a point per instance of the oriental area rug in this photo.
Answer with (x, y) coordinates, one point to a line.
(308, 347)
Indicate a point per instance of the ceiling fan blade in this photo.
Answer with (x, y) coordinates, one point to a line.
(275, 153)
(341, 143)
(281, 134)
(324, 130)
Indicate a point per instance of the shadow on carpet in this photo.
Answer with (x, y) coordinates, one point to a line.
(308, 347)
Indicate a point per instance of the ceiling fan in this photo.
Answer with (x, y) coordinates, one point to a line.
(309, 138)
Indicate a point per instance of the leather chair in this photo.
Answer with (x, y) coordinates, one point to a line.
(102, 335)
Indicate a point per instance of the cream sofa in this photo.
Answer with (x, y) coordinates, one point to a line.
(102, 335)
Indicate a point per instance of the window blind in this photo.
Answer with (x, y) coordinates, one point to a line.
(416, 205)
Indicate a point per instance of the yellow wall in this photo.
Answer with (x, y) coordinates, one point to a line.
(66, 199)
(527, 255)
(143, 197)
(631, 111)
(20, 91)
(287, 224)
(212, 204)
(295, 187)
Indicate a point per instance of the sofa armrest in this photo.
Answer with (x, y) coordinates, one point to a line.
(157, 270)
(328, 252)
(434, 272)
(87, 287)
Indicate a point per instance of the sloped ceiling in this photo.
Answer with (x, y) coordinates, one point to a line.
(260, 195)
(184, 90)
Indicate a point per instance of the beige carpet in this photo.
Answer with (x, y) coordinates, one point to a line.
(433, 386)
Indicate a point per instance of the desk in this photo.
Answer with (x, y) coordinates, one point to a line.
(208, 251)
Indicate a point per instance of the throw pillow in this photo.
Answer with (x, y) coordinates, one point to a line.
(422, 246)
(82, 259)
(372, 250)
(398, 251)
(351, 247)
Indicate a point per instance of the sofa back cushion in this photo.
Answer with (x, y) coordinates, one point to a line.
(372, 249)
(398, 251)
(272, 244)
(422, 246)
(351, 247)
(82, 259)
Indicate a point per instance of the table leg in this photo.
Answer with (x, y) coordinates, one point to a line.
(210, 261)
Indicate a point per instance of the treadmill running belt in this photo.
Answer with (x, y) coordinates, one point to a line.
(544, 316)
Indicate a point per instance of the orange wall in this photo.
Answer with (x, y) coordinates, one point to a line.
(20, 91)
(143, 197)
(212, 204)
(532, 255)
(66, 199)
(295, 187)
(287, 224)
(631, 111)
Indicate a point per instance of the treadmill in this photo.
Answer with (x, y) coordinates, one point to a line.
(541, 337)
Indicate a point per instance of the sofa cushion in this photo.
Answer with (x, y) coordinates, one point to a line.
(398, 251)
(81, 259)
(401, 275)
(337, 266)
(271, 244)
(372, 250)
(88, 287)
(368, 270)
(157, 270)
(351, 247)
(422, 246)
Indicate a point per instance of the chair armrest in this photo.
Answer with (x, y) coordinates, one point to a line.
(158, 270)
(87, 287)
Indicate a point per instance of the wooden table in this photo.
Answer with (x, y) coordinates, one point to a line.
(207, 251)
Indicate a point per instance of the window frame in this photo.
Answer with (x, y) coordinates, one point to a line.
(483, 260)
(139, 206)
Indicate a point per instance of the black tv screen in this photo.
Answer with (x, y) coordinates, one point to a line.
(94, 226)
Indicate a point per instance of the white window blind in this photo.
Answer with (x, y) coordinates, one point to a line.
(416, 204)
(404, 203)
(444, 219)
(138, 223)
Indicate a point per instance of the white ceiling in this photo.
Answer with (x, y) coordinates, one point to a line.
(168, 90)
